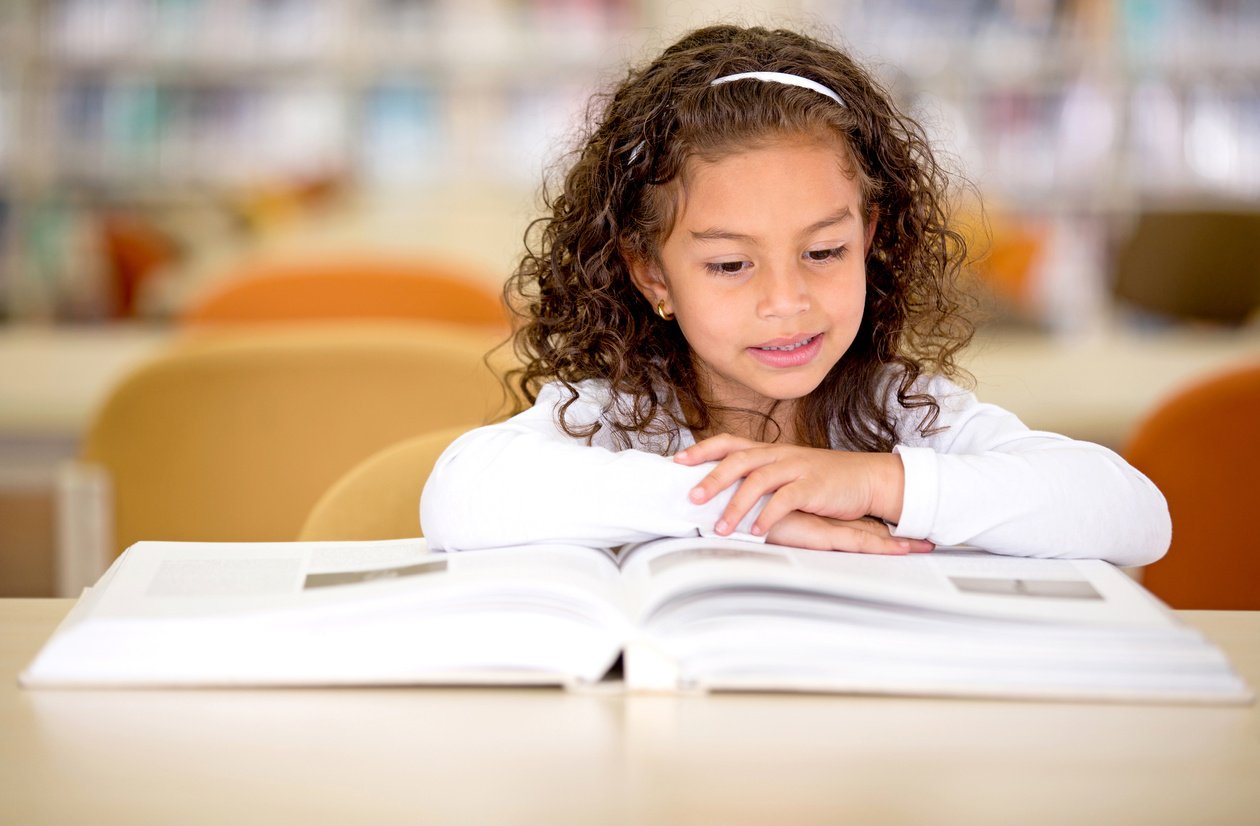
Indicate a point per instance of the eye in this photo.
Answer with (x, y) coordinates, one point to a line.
(727, 267)
(829, 254)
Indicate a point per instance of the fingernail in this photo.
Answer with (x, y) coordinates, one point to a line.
(697, 494)
(721, 526)
(757, 530)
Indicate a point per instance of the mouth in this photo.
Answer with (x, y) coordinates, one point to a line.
(787, 348)
(793, 352)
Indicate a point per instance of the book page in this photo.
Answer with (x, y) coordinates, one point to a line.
(190, 578)
(727, 615)
(960, 581)
(294, 613)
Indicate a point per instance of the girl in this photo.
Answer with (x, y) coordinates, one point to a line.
(750, 267)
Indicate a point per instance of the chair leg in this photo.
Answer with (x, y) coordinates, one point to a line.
(84, 526)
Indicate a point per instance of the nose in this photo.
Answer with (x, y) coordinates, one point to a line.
(784, 291)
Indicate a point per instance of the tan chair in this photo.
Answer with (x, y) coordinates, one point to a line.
(348, 287)
(234, 436)
(379, 498)
(1202, 449)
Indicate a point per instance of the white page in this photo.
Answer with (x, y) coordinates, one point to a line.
(195, 579)
(960, 581)
(301, 613)
(720, 614)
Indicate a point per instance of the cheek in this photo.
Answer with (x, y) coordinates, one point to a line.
(707, 326)
(698, 329)
(848, 297)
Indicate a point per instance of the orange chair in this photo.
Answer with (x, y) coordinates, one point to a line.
(349, 288)
(1202, 448)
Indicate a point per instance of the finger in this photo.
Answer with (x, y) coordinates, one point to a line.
(783, 501)
(881, 528)
(773, 479)
(866, 542)
(885, 540)
(712, 449)
(842, 537)
(737, 465)
(867, 523)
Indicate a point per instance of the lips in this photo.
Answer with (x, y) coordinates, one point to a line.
(788, 352)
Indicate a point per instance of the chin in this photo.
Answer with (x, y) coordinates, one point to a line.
(791, 391)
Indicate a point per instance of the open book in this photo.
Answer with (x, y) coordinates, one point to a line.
(682, 614)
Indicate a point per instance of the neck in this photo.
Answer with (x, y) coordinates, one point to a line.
(745, 414)
(780, 427)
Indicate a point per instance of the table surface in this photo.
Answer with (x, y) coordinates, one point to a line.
(601, 756)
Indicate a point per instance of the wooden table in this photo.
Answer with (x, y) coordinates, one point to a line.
(546, 756)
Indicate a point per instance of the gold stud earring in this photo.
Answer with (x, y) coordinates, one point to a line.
(660, 311)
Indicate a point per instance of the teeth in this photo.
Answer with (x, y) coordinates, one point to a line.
(795, 346)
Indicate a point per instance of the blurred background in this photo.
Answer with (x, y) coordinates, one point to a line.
(150, 149)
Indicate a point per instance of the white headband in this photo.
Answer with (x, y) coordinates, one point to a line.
(784, 78)
(769, 77)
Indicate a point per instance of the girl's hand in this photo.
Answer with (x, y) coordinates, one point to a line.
(837, 484)
(869, 536)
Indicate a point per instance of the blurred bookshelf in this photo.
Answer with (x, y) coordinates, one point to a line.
(132, 129)
(174, 113)
(1077, 118)
(1079, 105)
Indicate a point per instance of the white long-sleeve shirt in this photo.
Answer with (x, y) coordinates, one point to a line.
(982, 479)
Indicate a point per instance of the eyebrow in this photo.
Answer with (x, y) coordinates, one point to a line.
(714, 234)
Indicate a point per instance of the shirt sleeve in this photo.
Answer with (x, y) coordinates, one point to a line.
(526, 481)
(986, 479)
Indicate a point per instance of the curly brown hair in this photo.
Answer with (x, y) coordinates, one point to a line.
(580, 316)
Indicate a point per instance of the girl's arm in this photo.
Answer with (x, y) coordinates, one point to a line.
(525, 480)
(987, 480)
(983, 479)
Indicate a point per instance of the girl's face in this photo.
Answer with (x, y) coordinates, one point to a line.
(764, 270)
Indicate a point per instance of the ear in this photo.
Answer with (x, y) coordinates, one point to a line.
(872, 222)
(649, 280)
